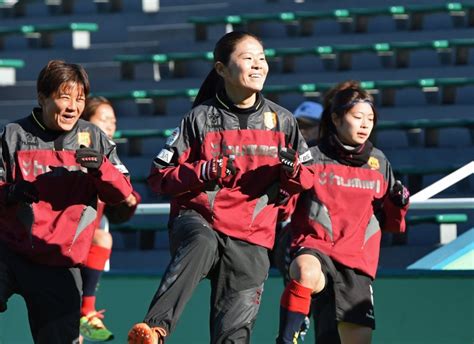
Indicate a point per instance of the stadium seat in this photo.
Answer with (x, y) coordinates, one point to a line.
(329, 54)
(345, 16)
(447, 224)
(177, 63)
(8, 69)
(431, 127)
(43, 34)
(157, 97)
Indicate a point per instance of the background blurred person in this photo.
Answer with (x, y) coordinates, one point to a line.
(99, 111)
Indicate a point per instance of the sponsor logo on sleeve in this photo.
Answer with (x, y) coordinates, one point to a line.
(173, 137)
(165, 155)
(306, 156)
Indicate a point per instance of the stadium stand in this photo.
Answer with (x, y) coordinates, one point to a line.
(416, 60)
(42, 35)
(8, 69)
(359, 16)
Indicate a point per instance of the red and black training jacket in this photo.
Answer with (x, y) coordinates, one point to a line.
(243, 205)
(346, 209)
(58, 229)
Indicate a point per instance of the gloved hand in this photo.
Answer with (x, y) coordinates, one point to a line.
(289, 160)
(217, 168)
(23, 191)
(283, 197)
(89, 158)
(399, 194)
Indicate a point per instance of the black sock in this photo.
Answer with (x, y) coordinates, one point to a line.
(290, 325)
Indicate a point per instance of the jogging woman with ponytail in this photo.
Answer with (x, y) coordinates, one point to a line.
(226, 168)
(336, 226)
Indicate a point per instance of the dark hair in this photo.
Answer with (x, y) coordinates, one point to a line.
(340, 99)
(57, 73)
(224, 47)
(92, 103)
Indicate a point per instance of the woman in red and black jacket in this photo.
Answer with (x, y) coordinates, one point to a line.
(223, 167)
(53, 169)
(336, 226)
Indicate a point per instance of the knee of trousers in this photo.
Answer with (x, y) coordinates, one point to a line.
(236, 316)
(204, 240)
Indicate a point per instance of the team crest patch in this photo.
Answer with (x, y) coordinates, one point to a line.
(173, 137)
(373, 163)
(84, 138)
(269, 120)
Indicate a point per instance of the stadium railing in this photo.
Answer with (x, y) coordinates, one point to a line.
(448, 225)
(8, 69)
(329, 54)
(420, 201)
(413, 14)
(386, 88)
(177, 63)
(413, 128)
(43, 34)
(18, 7)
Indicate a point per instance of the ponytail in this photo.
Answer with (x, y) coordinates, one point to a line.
(208, 88)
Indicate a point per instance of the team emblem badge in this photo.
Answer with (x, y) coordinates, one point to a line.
(269, 120)
(373, 163)
(84, 138)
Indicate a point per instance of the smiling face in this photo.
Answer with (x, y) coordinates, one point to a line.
(246, 71)
(104, 118)
(355, 126)
(62, 109)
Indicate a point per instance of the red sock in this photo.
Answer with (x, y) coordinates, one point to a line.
(296, 298)
(88, 305)
(97, 257)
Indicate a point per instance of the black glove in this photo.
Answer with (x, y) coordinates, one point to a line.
(217, 168)
(399, 194)
(283, 197)
(23, 191)
(289, 161)
(89, 158)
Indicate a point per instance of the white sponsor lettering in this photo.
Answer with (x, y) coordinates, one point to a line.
(306, 156)
(334, 179)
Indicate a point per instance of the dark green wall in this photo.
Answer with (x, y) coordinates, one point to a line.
(409, 309)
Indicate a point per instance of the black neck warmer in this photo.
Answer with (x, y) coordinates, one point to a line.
(357, 156)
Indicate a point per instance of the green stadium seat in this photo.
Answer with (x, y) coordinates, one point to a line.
(447, 224)
(413, 129)
(231, 22)
(18, 7)
(44, 33)
(8, 69)
(387, 89)
(157, 97)
(329, 54)
(415, 174)
(134, 138)
(345, 16)
(177, 63)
